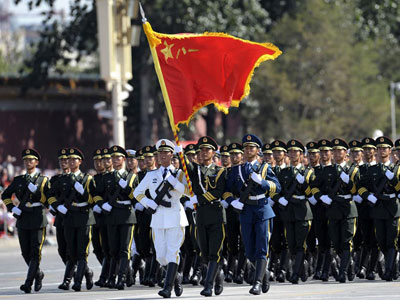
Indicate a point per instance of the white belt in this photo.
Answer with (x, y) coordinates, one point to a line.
(258, 197)
(345, 196)
(300, 197)
(80, 204)
(125, 202)
(35, 204)
(390, 195)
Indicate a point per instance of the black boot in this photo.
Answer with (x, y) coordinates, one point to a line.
(147, 269)
(283, 264)
(196, 276)
(123, 265)
(350, 270)
(32, 271)
(80, 271)
(395, 270)
(372, 264)
(113, 273)
(169, 280)
(129, 277)
(203, 274)
(344, 263)
(155, 265)
(178, 288)
(265, 282)
(361, 262)
(38, 280)
(137, 266)
(219, 282)
(304, 271)
(298, 265)
(209, 279)
(260, 268)
(241, 265)
(105, 271)
(69, 273)
(230, 269)
(187, 266)
(88, 278)
(389, 261)
(318, 268)
(327, 265)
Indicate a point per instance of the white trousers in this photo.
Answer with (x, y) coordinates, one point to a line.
(167, 243)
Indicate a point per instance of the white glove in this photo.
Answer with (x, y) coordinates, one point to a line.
(106, 207)
(16, 210)
(283, 201)
(271, 202)
(97, 209)
(300, 178)
(139, 206)
(188, 205)
(224, 204)
(62, 209)
(357, 198)
(256, 178)
(312, 200)
(122, 183)
(178, 149)
(151, 204)
(389, 174)
(345, 177)
(326, 199)
(172, 180)
(79, 188)
(371, 198)
(193, 200)
(237, 204)
(32, 187)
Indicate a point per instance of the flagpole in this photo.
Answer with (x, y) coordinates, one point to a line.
(166, 99)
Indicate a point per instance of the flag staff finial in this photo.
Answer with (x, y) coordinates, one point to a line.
(144, 20)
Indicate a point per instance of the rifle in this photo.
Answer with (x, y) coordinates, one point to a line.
(162, 190)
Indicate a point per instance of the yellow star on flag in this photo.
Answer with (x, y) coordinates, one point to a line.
(167, 51)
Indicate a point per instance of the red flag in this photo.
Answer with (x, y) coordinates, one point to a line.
(195, 70)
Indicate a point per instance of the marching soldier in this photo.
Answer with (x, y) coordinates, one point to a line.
(169, 220)
(380, 190)
(248, 184)
(78, 218)
(140, 160)
(120, 216)
(225, 158)
(31, 190)
(208, 186)
(296, 212)
(268, 156)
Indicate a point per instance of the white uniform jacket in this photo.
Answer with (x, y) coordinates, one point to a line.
(165, 217)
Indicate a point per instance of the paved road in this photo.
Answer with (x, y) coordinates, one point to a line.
(13, 271)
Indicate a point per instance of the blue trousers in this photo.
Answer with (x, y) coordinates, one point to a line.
(256, 226)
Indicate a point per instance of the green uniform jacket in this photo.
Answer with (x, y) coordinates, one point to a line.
(318, 210)
(59, 187)
(213, 178)
(31, 217)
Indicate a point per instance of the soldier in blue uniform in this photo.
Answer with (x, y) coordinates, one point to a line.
(31, 190)
(256, 213)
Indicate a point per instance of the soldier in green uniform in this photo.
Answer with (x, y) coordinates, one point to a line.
(140, 160)
(31, 190)
(208, 186)
(268, 156)
(120, 216)
(341, 209)
(380, 190)
(279, 247)
(78, 218)
(296, 212)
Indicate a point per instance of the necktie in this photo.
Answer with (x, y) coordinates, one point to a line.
(165, 173)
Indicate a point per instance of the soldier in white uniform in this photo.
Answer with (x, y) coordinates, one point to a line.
(169, 219)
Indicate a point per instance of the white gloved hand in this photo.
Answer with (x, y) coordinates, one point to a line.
(357, 198)
(188, 205)
(151, 204)
(389, 174)
(62, 209)
(300, 178)
(178, 149)
(345, 177)
(256, 178)
(139, 206)
(283, 201)
(79, 188)
(172, 180)
(312, 200)
(237, 204)
(371, 198)
(32, 187)
(106, 207)
(193, 200)
(122, 183)
(16, 210)
(225, 204)
(271, 202)
(326, 199)
(97, 209)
